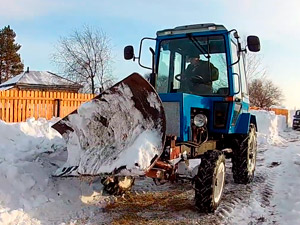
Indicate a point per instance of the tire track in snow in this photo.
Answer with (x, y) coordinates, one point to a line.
(237, 198)
(252, 201)
(234, 195)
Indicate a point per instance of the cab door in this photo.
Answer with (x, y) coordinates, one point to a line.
(238, 105)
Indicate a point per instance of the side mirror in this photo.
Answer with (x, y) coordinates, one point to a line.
(253, 43)
(128, 52)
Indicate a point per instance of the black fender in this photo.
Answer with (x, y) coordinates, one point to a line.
(243, 123)
(253, 121)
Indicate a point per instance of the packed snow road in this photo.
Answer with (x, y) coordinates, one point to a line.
(271, 198)
(31, 152)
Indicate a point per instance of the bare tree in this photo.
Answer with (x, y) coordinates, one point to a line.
(264, 93)
(253, 64)
(254, 67)
(85, 57)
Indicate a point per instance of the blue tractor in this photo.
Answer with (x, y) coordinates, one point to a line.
(195, 102)
(199, 74)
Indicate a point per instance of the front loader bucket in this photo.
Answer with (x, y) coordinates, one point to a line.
(118, 132)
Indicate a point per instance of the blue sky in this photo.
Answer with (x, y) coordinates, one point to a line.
(40, 23)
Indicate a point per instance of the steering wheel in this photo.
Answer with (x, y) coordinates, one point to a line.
(198, 79)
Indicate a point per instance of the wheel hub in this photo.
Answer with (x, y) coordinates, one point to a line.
(251, 154)
(219, 182)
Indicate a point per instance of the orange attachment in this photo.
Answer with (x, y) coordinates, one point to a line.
(161, 170)
(174, 152)
(163, 165)
(156, 173)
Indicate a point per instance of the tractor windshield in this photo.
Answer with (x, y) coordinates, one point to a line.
(194, 65)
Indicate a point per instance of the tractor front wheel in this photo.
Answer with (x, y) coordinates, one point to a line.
(244, 157)
(210, 180)
(117, 185)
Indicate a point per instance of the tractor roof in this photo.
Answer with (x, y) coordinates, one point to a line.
(191, 29)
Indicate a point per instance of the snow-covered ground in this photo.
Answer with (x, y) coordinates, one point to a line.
(31, 152)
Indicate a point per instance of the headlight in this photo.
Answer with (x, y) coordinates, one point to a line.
(200, 120)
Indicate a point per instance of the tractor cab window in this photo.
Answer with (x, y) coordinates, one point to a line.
(163, 68)
(193, 65)
(235, 67)
(243, 74)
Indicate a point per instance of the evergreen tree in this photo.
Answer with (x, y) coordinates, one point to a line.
(10, 60)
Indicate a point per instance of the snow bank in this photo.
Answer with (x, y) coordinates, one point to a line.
(29, 154)
(269, 127)
(21, 172)
(27, 139)
(291, 117)
(31, 151)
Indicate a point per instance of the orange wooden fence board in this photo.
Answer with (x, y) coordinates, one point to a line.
(284, 112)
(18, 105)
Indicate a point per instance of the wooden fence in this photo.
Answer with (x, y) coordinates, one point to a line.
(18, 105)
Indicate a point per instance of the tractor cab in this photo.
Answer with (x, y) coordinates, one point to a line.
(199, 73)
(191, 64)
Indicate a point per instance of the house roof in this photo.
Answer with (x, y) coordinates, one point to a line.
(38, 78)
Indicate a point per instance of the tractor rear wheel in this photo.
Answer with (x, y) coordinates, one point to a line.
(210, 180)
(117, 185)
(244, 157)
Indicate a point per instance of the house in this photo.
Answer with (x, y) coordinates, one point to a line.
(39, 94)
(41, 81)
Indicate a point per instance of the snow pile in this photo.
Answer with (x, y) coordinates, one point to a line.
(30, 152)
(269, 127)
(23, 178)
(291, 117)
(27, 140)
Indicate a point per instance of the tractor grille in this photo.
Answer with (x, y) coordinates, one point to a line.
(172, 111)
